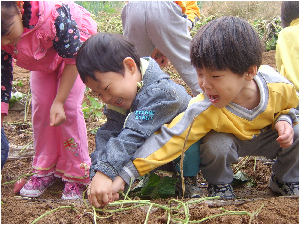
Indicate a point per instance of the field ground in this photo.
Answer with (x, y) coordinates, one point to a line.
(256, 204)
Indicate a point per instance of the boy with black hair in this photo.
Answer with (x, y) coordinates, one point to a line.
(243, 111)
(139, 99)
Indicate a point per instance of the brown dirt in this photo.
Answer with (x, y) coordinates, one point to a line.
(256, 204)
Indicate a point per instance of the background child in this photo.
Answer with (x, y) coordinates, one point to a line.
(6, 85)
(140, 97)
(241, 112)
(44, 37)
(163, 25)
(287, 47)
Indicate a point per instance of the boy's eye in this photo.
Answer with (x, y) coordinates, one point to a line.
(96, 93)
(106, 88)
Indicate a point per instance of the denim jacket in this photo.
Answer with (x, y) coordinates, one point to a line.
(157, 102)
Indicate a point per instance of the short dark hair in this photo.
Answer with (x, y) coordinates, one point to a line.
(226, 43)
(289, 12)
(105, 52)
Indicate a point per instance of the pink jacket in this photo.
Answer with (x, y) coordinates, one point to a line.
(34, 51)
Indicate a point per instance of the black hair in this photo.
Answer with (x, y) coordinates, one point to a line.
(105, 52)
(8, 10)
(226, 43)
(289, 12)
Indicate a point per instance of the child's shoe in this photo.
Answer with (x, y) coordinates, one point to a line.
(72, 191)
(192, 190)
(37, 185)
(283, 188)
(225, 191)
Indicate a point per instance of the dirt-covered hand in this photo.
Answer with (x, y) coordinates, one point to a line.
(285, 133)
(100, 190)
(160, 58)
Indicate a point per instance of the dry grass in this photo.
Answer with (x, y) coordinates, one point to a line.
(250, 10)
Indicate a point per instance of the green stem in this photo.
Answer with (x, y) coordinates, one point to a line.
(95, 215)
(254, 164)
(255, 213)
(147, 216)
(119, 210)
(47, 213)
(203, 199)
(14, 181)
(25, 147)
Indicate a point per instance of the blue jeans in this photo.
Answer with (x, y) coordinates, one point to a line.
(191, 161)
(4, 148)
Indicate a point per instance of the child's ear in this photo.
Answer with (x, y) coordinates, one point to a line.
(251, 72)
(130, 65)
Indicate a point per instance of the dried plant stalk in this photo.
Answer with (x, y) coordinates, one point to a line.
(182, 157)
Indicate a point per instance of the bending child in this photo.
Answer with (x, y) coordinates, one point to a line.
(140, 98)
(44, 37)
(243, 111)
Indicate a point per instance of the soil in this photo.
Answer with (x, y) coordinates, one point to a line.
(254, 204)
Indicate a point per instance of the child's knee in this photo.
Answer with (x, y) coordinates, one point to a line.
(214, 141)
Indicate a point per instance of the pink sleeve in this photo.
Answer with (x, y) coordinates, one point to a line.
(4, 108)
(70, 61)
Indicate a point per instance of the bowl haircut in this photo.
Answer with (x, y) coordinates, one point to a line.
(104, 52)
(226, 43)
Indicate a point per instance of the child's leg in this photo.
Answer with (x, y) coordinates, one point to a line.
(191, 161)
(62, 149)
(4, 148)
(74, 161)
(286, 166)
(46, 139)
(217, 152)
(133, 23)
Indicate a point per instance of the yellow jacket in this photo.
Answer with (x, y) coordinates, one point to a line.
(189, 8)
(287, 53)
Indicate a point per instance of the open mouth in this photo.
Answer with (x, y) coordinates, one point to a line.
(119, 101)
(213, 98)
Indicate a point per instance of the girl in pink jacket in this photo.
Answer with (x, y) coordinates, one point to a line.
(44, 37)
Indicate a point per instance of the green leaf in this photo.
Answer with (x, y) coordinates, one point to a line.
(241, 178)
(98, 114)
(153, 186)
(94, 102)
(15, 97)
(166, 188)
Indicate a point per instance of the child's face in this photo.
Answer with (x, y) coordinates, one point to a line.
(15, 31)
(221, 87)
(114, 88)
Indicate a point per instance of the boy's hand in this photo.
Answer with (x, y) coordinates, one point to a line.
(285, 133)
(117, 185)
(160, 58)
(57, 114)
(100, 190)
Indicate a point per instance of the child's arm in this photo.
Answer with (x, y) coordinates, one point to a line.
(100, 190)
(111, 156)
(285, 133)
(6, 82)
(57, 112)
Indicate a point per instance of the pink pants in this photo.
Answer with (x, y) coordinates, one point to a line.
(61, 150)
